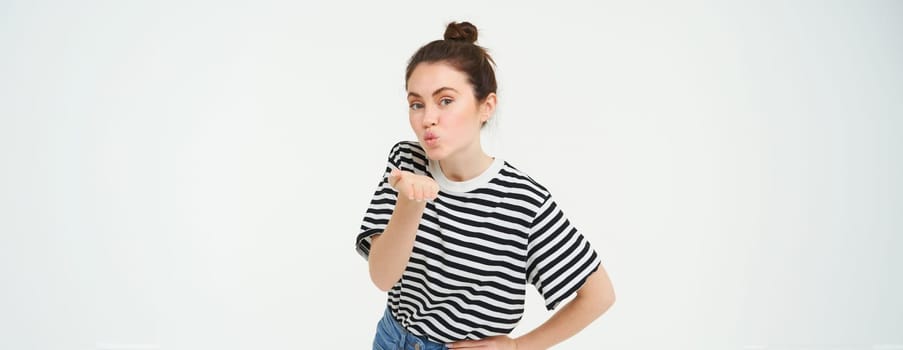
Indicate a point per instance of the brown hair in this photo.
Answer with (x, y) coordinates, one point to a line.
(459, 50)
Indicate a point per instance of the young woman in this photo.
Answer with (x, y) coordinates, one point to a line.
(454, 235)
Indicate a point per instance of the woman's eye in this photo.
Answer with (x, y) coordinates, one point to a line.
(445, 101)
(415, 106)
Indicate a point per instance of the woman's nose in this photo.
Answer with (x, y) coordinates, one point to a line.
(430, 118)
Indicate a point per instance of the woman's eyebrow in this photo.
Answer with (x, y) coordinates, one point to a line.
(438, 91)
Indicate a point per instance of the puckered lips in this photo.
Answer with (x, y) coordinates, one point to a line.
(430, 138)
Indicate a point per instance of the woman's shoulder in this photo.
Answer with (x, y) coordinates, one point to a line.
(405, 153)
(516, 177)
(407, 146)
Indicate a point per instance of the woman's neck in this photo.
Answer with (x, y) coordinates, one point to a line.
(466, 164)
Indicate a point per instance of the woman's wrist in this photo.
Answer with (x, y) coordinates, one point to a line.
(408, 204)
(518, 343)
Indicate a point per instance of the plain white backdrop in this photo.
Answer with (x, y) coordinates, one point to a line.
(191, 174)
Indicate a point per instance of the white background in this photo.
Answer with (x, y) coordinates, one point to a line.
(191, 174)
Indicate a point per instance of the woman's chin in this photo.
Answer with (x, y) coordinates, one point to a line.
(434, 154)
(431, 156)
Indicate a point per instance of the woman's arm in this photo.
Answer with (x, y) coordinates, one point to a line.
(592, 300)
(390, 251)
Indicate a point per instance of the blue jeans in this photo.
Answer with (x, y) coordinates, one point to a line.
(392, 336)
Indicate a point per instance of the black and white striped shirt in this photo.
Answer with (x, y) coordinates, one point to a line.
(478, 244)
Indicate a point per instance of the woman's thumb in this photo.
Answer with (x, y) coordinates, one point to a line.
(394, 176)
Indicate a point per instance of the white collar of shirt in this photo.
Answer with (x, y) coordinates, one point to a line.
(468, 185)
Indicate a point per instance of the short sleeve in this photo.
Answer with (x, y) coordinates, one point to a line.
(559, 258)
(381, 206)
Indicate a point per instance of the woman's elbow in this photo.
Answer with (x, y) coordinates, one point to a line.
(600, 302)
(385, 287)
(380, 281)
(608, 298)
(601, 291)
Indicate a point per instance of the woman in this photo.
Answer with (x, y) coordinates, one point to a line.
(454, 235)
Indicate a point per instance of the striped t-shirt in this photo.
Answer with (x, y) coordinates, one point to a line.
(477, 246)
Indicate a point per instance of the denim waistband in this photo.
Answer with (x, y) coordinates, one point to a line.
(410, 340)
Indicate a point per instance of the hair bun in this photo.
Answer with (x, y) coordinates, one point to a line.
(464, 31)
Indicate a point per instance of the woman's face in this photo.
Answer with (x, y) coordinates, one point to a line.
(443, 110)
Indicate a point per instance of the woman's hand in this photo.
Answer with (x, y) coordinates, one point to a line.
(413, 186)
(499, 342)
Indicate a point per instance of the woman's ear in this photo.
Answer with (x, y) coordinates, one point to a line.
(487, 107)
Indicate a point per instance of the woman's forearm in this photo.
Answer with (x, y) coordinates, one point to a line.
(592, 300)
(390, 251)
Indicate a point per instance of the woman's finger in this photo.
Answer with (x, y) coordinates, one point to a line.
(435, 190)
(394, 177)
(467, 344)
(410, 186)
(418, 191)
